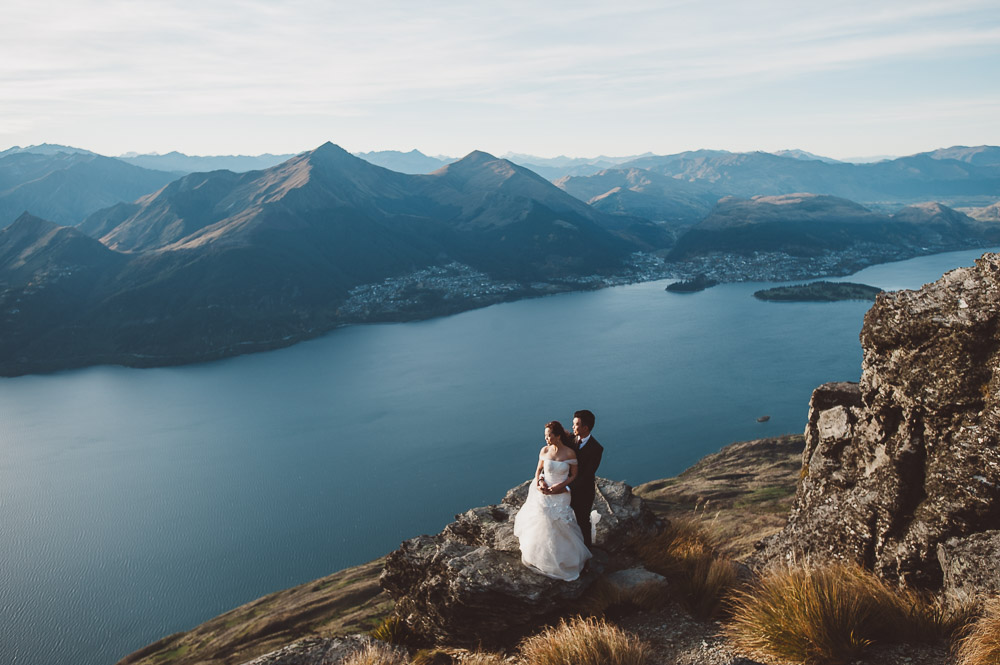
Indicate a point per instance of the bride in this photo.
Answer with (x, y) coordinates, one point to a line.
(551, 540)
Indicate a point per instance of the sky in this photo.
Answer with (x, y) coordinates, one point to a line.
(213, 77)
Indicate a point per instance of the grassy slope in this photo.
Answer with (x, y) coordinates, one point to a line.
(742, 493)
(348, 601)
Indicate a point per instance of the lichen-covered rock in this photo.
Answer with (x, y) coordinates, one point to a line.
(467, 586)
(908, 459)
(970, 564)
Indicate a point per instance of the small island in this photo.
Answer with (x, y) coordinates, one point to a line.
(819, 292)
(699, 283)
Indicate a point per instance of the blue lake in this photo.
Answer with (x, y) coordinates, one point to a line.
(138, 503)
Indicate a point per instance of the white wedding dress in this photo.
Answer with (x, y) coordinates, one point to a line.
(551, 541)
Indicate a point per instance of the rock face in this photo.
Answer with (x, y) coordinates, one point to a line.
(467, 585)
(902, 471)
(969, 563)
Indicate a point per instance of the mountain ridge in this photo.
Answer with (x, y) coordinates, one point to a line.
(907, 179)
(813, 224)
(412, 162)
(66, 187)
(219, 263)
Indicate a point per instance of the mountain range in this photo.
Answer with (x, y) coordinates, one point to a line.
(555, 168)
(643, 193)
(804, 225)
(65, 186)
(412, 162)
(905, 180)
(990, 213)
(117, 263)
(808, 156)
(675, 188)
(179, 164)
(220, 263)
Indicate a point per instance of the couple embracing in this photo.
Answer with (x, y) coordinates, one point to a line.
(553, 525)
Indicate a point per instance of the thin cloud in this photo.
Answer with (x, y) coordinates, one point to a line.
(306, 58)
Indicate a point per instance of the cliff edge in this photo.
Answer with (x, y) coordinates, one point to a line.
(901, 472)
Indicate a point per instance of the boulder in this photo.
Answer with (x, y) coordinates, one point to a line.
(466, 586)
(634, 579)
(898, 466)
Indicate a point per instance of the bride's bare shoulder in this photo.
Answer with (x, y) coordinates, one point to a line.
(565, 455)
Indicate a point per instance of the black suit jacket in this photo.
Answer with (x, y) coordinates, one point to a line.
(582, 489)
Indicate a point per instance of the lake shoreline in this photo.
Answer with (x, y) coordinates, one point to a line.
(722, 268)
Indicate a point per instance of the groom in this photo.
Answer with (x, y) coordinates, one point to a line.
(588, 455)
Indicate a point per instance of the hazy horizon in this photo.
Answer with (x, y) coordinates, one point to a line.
(250, 77)
(507, 154)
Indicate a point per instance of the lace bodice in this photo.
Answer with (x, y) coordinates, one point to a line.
(555, 471)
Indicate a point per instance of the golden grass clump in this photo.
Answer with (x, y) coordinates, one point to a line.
(581, 641)
(450, 656)
(921, 617)
(686, 555)
(482, 658)
(980, 645)
(377, 653)
(394, 630)
(432, 657)
(830, 614)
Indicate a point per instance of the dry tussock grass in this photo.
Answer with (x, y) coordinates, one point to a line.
(686, 555)
(450, 656)
(580, 641)
(922, 617)
(980, 645)
(482, 658)
(394, 630)
(584, 642)
(433, 657)
(830, 614)
(377, 653)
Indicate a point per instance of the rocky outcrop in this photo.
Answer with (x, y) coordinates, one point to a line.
(902, 471)
(467, 586)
